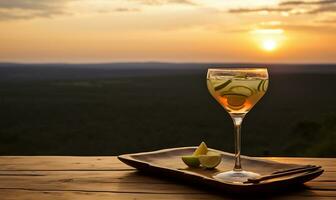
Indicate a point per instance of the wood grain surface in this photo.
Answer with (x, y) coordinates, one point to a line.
(93, 178)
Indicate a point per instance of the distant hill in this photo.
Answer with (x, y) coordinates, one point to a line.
(16, 71)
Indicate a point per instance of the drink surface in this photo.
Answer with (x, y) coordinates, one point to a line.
(237, 94)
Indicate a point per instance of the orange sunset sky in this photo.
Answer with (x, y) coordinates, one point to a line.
(168, 30)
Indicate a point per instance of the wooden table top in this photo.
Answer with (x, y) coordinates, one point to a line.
(95, 178)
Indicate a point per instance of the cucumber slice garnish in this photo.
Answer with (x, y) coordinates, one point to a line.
(223, 85)
(260, 85)
(265, 85)
(242, 90)
(241, 75)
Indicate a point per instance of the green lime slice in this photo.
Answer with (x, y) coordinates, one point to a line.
(202, 149)
(191, 161)
(211, 160)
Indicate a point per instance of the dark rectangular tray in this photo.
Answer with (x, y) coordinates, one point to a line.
(167, 162)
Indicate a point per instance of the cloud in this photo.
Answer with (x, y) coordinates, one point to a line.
(322, 10)
(294, 3)
(294, 7)
(118, 10)
(126, 10)
(331, 21)
(32, 4)
(7, 15)
(163, 2)
(301, 27)
(28, 9)
(310, 28)
(250, 10)
(315, 6)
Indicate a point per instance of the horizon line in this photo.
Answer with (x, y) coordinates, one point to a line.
(163, 62)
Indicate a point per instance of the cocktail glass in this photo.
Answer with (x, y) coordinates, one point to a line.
(237, 90)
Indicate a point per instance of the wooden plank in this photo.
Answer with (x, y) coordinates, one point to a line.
(65, 195)
(118, 176)
(51, 177)
(60, 195)
(108, 181)
(76, 163)
(111, 181)
(330, 186)
(62, 163)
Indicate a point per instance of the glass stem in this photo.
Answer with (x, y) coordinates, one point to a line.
(237, 120)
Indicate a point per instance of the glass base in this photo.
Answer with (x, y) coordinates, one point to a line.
(235, 176)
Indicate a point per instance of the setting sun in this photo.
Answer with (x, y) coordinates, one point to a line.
(269, 45)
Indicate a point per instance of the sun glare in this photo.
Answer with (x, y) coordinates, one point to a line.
(269, 45)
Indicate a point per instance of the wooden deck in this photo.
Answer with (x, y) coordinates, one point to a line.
(95, 178)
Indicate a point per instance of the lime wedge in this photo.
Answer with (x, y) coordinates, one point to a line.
(202, 149)
(191, 161)
(211, 160)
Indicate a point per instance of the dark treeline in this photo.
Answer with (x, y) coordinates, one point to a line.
(108, 109)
